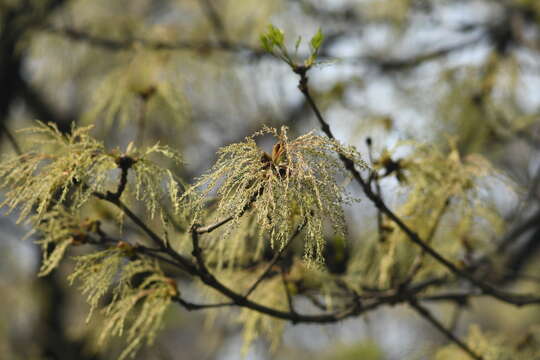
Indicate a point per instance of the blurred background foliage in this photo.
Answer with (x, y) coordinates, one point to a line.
(444, 90)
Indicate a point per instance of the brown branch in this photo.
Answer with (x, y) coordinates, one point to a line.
(419, 259)
(129, 44)
(455, 317)
(124, 164)
(215, 19)
(316, 302)
(422, 311)
(394, 65)
(515, 299)
(401, 295)
(517, 231)
(375, 178)
(460, 298)
(181, 261)
(105, 239)
(287, 292)
(273, 262)
(398, 296)
(240, 300)
(193, 306)
(204, 274)
(200, 270)
(214, 226)
(209, 228)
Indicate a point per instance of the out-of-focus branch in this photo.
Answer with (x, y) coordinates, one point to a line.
(395, 64)
(273, 262)
(215, 19)
(128, 44)
(527, 225)
(426, 314)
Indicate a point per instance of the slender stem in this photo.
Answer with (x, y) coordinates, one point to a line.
(124, 164)
(461, 298)
(193, 306)
(437, 324)
(209, 228)
(519, 230)
(287, 292)
(275, 259)
(456, 315)
(419, 259)
(400, 295)
(128, 44)
(316, 302)
(214, 226)
(240, 300)
(378, 192)
(183, 262)
(518, 300)
(215, 19)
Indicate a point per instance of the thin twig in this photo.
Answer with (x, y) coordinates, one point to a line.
(375, 177)
(401, 295)
(429, 317)
(461, 298)
(515, 299)
(517, 231)
(183, 262)
(287, 292)
(154, 253)
(316, 302)
(124, 164)
(193, 306)
(454, 319)
(240, 300)
(419, 259)
(209, 228)
(215, 19)
(275, 259)
(214, 226)
(129, 44)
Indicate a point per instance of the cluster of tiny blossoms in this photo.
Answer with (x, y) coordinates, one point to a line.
(297, 184)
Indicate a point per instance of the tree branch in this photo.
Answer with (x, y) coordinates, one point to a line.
(182, 262)
(209, 228)
(193, 306)
(215, 19)
(276, 258)
(129, 44)
(518, 300)
(242, 301)
(429, 317)
(287, 292)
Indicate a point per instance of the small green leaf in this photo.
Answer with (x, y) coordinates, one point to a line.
(316, 41)
(276, 35)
